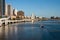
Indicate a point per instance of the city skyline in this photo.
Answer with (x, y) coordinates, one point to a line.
(44, 8)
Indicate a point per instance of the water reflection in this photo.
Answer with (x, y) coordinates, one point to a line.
(28, 31)
(2, 33)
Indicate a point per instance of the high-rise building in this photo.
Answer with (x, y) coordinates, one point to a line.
(2, 7)
(10, 10)
(6, 10)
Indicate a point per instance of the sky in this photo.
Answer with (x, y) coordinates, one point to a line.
(43, 8)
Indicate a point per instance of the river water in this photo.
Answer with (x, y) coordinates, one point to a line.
(31, 31)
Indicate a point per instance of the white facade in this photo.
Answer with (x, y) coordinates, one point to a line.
(15, 12)
(11, 11)
(33, 16)
(6, 10)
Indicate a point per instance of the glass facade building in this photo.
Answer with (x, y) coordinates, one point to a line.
(2, 8)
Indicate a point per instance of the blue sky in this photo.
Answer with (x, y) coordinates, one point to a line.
(44, 8)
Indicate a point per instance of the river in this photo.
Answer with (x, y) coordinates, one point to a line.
(31, 31)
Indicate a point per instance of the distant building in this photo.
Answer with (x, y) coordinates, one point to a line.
(27, 17)
(10, 10)
(2, 8)
(33, 16)
(20, 14)
(14, 12)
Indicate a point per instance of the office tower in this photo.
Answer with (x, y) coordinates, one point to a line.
(6, 10)
(2, 8)
(10, 10)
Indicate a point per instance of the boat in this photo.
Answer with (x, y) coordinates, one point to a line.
(42, 26)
